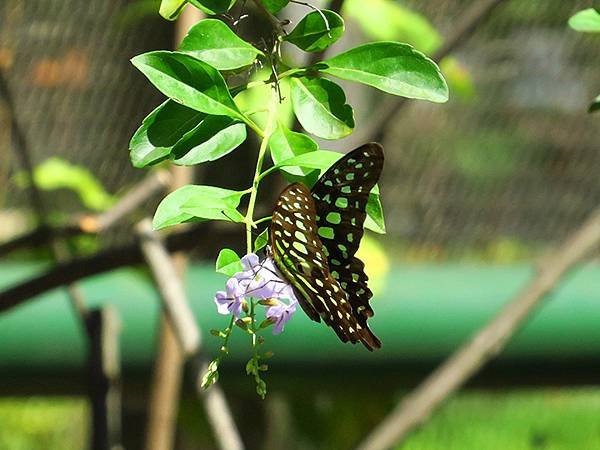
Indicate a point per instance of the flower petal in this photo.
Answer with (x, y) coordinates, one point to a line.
(250, 261)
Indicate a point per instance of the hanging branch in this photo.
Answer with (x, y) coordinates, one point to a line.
(418, 406)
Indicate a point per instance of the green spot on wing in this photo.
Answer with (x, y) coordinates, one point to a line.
(326, 232)
(341, 202)
(334, 218)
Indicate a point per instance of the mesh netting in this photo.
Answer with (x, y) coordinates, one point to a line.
(517, 162)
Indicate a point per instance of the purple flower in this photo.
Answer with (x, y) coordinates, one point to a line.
(280, 314)
(232, 300)
(263, 281)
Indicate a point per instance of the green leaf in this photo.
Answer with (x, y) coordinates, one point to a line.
(392, 67)
(160, 131)
(386, 20)
(197, 203)
(213, 7)
(213, 42)
(319, 159)
(188, 81)
(170, 9)
(317, 31)
(587, 21)
(213, 138)
(595, 106)
(286, 144)
(228, 262)
(320, 106)
(261, 240)
(275, 6)
(56, 173)
(375, 220)
(254, 100)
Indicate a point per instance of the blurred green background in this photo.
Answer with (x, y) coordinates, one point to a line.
(475, 192)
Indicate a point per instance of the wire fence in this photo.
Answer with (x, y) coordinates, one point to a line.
(499, 173)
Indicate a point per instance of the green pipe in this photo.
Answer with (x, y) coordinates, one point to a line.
(422, 313)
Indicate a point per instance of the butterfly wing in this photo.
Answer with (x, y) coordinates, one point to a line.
(341, 196)
(298, 253)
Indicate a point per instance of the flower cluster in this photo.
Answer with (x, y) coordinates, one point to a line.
(260, 280)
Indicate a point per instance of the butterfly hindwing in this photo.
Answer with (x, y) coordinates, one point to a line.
(299, 254)
(341, 196)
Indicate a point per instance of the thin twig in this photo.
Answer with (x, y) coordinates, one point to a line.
(156, 182)
(486, 343)
(170, 287)
(43, 235)
(386, 113)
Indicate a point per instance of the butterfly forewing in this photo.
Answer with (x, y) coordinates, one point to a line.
(299, 254)
(341, 197)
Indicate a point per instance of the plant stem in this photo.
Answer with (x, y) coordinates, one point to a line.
(249, 219)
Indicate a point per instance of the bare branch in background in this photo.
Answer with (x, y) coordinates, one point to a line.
(154, 183)
(418, 406)
(170, 287)
(187, 331)
(104, 383)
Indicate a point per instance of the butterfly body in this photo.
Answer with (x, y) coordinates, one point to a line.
(314, 236)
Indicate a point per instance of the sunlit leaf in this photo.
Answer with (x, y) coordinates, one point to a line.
(170, 9)
(160, 131)
(317, 31)
(188, 81)
(213, 42)
(194, 203)
(320, 106)
(228, 262)
(285, 144)
(392, 67)
(213, 138)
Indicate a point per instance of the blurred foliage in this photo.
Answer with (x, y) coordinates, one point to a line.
(519, 419)
(389, 20)
(56, 173)
(43, 423)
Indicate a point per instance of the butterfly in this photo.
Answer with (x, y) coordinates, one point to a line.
(314, 235)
